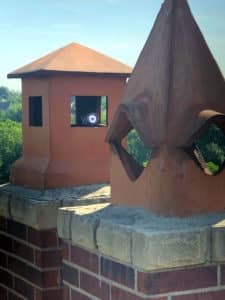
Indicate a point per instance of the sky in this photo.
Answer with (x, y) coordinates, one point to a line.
(119, 28)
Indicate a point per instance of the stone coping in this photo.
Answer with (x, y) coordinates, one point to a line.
(144, 240)
(39, 208)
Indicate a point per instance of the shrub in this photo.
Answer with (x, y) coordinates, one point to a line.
(10, 146)
(137, 149)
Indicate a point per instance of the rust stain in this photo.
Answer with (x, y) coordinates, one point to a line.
(175, 92)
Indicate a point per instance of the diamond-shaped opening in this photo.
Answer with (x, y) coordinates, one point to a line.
(134, 145)
(133, 154)
(208, 150)
(129, 146)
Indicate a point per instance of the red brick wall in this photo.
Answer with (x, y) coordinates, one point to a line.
(89, 276)
(31, 267)
(30, 263)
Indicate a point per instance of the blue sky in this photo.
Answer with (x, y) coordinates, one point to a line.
(119, 28)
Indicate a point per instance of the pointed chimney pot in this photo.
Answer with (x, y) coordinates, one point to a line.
(175, 93)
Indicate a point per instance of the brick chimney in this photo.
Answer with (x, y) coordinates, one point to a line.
(69, 98)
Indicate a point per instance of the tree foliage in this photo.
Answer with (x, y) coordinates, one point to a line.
(4, 93)
(212, 147)
(137, 149)
(9, 95)
(10, 130)
(10, 146)
(10, 105)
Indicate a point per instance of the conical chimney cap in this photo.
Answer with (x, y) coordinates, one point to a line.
(176, 85)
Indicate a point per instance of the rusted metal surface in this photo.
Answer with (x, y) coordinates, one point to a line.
(176, 90)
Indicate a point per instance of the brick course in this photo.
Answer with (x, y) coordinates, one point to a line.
(116, 281)
(48, 259)
(94, 286)
(3, 293)
(43, 239)
(119, 294)
(84, 259)
(30, 266)
(70, 275)
(117, 272)
(24, 288)
(220, 295)
(54, 294)
(166, 282)
(75, 295)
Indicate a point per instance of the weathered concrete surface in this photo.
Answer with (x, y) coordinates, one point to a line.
(64, 222)
(37, 214)
(85, 221)
(114, 240)
(170, 249)
(39, 209)
(218, 242)
(130, 235)
(94, 193)
(146, 240)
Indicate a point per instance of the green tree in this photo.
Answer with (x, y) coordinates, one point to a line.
(212, 147)
(4, 92)
(137, 149)
(2, 115)
(14, 112)
(10, 146)
(10, 105)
